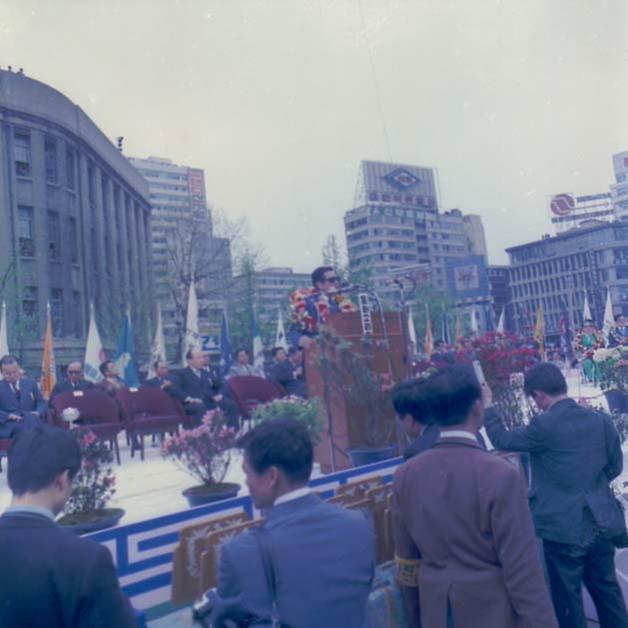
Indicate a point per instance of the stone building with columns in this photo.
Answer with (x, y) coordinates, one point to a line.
(75, 225)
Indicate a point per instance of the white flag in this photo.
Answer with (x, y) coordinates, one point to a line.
(94, 352)
(474, 322)
(258, 348)
(586, 312)
(502, 323)
(158, 348)
(4, 332)
(280, 336)
(192, 338)
(411, 329)
(609, 319)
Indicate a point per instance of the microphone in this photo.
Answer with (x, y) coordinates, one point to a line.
(352, 287)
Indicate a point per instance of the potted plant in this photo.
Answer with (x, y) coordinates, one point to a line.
(352, 371)
(205, 453)
(93, 487)
(307, 411)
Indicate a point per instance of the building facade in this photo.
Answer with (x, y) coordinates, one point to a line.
(76, 225)
(619, 189)
(556, 272)
(396, 224)
(184, 246)
(499, 281)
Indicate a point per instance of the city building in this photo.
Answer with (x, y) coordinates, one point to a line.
(395, 228)
(619, 189)
(568, 211)
(556, 272)
(499, 282)
(76, 225)
(184, 246)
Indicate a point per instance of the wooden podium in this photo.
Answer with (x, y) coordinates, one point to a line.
(335, 386)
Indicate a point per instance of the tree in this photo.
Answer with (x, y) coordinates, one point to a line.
(439, 305)
(334, 256)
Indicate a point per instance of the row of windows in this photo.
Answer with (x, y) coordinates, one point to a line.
(423, 201)
(561, 265)
(27, 240)
(62, 325)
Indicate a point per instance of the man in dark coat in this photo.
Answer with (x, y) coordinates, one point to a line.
(574, 453)
(164, 381)
(21, 403)
(74, 380)
(462, 527)
(285, 371)
(51, 577)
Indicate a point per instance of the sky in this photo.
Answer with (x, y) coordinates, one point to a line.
(279, 100)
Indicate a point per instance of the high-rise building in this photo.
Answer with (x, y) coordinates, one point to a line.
(619, 189)
(557, 272)
(75, 225)
(184, 246)
(396, 224)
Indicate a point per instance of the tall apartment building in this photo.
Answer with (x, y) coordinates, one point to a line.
(396, 223)
(557, 272)
(619, 189)
(183, 241)
(75, 225)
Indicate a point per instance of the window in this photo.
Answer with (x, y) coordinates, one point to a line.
(26, 231)
(78, 319)
(50, 157)
(29, 310)
(73, 235)
(54, 236)
(56, 311)
(70, 176)
(22, 152)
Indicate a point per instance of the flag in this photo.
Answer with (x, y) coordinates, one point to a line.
(158, 347)
(48, 367)
(428, 345)
(280, 336)
(488, 316)
(458, 328)
(502, 321)
(124, 355)
(474, 322)
(225, 345)
(565, 333)
(411, 329)
(539, 331)
(445, 327)
(609, 319)
(192, 338)
(258, 347)
(4, 332)
(586, 312)
(94, 352)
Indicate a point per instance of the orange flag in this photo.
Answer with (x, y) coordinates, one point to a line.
(48, 367)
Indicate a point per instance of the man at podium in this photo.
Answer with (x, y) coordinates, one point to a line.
(310, 307)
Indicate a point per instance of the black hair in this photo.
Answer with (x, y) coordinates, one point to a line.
(411, 397)
(293, 350)
(8, 359)
(156, 363)
(276, 350)
(545, 377)
(283, 443)
(240, 349)
(319, 274)
(617, 317)
(39, 455)
(103, 367)
(452, 392)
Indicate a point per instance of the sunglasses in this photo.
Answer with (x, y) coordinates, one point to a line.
(330, 279)
(74, 372)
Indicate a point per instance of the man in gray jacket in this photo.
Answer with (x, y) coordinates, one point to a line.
(322, 555)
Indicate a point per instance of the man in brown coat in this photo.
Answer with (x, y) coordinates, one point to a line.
(462, 527)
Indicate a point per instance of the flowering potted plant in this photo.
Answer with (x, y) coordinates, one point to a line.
(205, 453)
(93, 487)
(306, 410)
(612, 367)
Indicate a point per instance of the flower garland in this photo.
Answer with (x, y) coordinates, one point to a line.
(310, 308)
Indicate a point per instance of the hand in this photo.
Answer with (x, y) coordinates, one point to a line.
(217, 397)
(487, 395)
(166, 384)
(15, 417)
(305, 342)
(298, 371)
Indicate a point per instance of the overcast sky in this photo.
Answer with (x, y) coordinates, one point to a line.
(510, 101)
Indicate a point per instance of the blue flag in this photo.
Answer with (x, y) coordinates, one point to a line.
(225, 346)
(124, 362)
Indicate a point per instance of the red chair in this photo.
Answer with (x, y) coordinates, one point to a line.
(99, 412)
(149, 411)
(248, 392)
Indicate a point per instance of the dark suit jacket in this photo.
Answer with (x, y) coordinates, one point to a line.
(173, 389)
(428, 439)
(323, 558)
(574, 454)
(192, 385)
(64, 385)
(52, 578)
(30, 399)
(464, 514)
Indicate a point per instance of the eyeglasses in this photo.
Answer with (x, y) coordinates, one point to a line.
(74, 372)
(330, 279)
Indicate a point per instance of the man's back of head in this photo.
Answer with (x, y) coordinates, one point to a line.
(453, 393)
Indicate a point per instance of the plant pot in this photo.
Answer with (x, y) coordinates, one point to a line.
(86, 522)
(360, 457)
(208, 493)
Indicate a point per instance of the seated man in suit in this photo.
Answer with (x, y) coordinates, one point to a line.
(111, 381)
(242, 365)
(287, 372)
(21, 403)
(51, 577)
(322, 555)
(464, 539)
(200, 392)
(74, 381)
(163, 380)
(575, 453)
